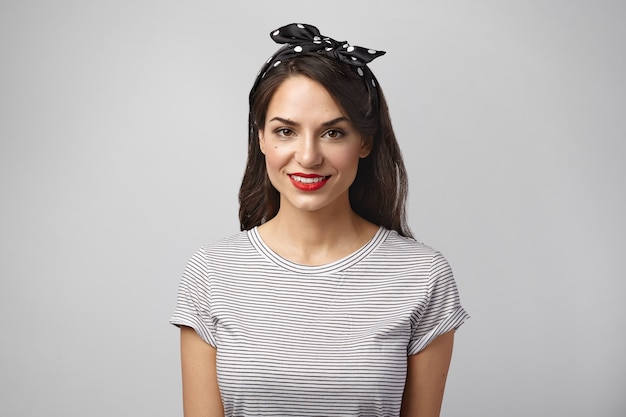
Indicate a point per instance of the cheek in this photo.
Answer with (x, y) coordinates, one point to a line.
(349, 159)
(275, 156)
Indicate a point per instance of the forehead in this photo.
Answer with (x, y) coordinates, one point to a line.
(303, 97)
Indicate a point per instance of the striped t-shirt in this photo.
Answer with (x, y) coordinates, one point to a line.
(329, 340)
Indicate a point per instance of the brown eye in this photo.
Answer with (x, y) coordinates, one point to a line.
(334, 134)
(284, 132)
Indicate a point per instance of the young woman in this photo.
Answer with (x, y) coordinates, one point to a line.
(323, 304)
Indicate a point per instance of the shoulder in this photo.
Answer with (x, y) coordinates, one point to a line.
(403, 246)
(226, 243)
(227, 250)
(409, 255)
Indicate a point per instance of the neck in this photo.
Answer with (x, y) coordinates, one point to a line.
(316, 229)
(318, 237)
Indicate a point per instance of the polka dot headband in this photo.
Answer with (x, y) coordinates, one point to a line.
(302, 38)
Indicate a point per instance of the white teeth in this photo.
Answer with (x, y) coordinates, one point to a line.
(307, 180)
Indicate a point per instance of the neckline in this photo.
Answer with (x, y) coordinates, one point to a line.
(338, 265)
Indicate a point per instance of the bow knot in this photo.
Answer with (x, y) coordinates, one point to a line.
(301, 37)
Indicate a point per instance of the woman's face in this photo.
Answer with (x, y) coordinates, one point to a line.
(311, 149)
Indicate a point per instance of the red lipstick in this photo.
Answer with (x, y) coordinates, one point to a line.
(308, 182)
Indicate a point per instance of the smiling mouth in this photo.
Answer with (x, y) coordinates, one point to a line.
(308, 182)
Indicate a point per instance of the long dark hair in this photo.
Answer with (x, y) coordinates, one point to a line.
(379, 190)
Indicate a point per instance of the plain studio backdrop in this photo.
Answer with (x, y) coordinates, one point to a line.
(123, 142)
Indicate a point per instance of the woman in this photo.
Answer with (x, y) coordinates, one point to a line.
(323, 304)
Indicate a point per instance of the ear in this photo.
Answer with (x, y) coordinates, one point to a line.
(366, 147)
(262, 141)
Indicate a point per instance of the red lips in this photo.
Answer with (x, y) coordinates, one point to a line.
(308, 182)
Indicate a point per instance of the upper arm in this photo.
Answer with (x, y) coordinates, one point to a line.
(426, 378)
(201, 394)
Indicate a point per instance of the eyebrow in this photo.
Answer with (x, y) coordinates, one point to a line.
(325, 124)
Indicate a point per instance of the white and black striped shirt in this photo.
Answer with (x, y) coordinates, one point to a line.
(330, 340)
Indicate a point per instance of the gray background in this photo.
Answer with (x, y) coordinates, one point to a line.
(123, 140)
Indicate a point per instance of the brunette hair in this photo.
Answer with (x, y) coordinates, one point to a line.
(379, 190)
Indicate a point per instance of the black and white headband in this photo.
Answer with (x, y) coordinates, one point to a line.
(302, 38)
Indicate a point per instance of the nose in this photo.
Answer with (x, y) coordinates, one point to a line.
(309, 154)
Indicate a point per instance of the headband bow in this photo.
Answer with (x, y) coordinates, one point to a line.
(307, 38)
(301, 38)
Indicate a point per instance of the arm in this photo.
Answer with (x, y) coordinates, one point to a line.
(201, 394)
(426, 378)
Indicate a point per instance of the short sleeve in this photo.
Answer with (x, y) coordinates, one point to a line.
(194, 299)
(443, 311)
